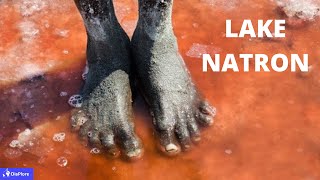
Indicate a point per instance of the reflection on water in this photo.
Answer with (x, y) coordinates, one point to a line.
(267, 125)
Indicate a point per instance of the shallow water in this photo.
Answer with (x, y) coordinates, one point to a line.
(267, 125)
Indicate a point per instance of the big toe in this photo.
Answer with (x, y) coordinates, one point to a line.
(130, 143)
(167, 143)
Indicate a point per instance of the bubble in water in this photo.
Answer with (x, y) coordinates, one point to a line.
(95, 151)
(65, 51)
(12, 153)
(62, 161)
(75, 101)
(195, 25)
(41, 160)
(62, 32)
(59, 137)
(63, 94)
(14, 143)
(228, 151)
(26, 132)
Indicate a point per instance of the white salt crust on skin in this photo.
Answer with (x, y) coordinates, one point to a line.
(75, 101)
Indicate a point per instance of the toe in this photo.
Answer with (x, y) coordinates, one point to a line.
(133, 148)
(206, 109)
(205, 114)
(204, 119)
(107, 140)
(84, 130)
(94, 138)
(130, 143)
(194, 130)
(167, 142)
(183, 136)
(78, 118)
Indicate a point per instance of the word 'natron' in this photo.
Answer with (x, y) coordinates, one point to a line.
(262, 63)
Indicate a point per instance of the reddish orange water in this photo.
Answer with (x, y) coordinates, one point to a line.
(267, 125)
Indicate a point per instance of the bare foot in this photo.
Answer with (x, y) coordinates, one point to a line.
(176, 107)
(106, 113)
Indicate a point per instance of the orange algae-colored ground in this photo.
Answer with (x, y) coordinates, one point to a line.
(267, 125)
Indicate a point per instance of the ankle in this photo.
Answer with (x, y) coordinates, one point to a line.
(155, 13)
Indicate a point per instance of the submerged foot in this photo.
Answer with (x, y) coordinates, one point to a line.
(105, 117)
(177, 109)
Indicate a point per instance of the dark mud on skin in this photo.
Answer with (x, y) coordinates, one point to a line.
(105, 117)
(176, 107)
(267, 126)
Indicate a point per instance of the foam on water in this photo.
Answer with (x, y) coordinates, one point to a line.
(12, 153)
(59, 137)
(306, 9)
(32, 141)
(197, 50)
(29, 7)
(226, 5)
(228, 151)
(95, 151)
(62, 161)
(28, 30)
(14, 143)
(62, 32)
(63, 93)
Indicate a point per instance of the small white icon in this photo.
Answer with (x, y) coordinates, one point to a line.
(6, 173)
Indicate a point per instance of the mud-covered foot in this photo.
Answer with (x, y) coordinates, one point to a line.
(177, 109)
(105, 117)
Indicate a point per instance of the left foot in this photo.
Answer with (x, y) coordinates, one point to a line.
(105, 117)
(176, 106)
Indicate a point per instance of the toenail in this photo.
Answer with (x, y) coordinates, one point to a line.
(197, 139)
(134, 153)
(210, 122)
(113, 152)
(171, 148)
(187, 146)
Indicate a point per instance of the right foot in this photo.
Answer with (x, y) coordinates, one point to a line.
(106, 113)
(177, 108)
